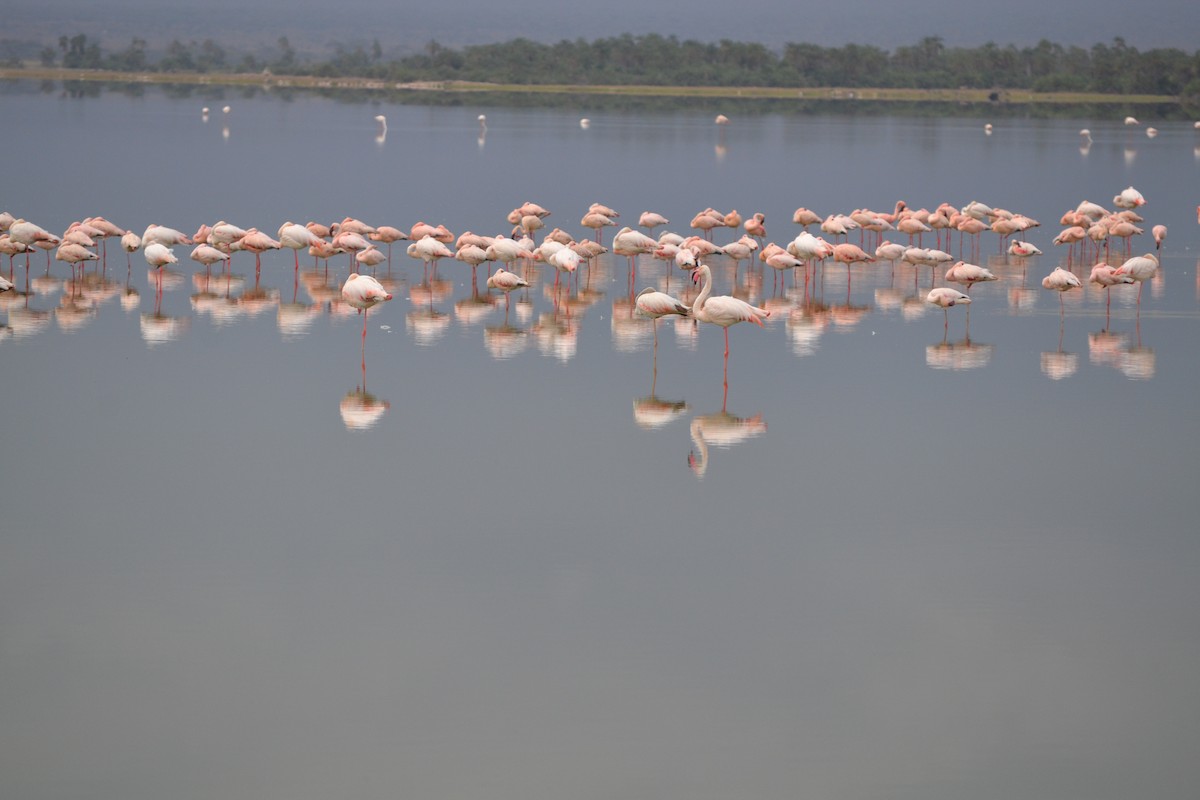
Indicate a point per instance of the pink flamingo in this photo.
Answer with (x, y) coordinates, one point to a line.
(1159, 232)
(722, 310)
(968, 274)
(804, 217)
(596, 222)
(756, 227)
(296, 238)
(158, 255)
(655, 304)
(1061, 281)
(505, 281)
(1141, 269)
(945, 297)
(651, 220)
(1106, 275)
(362, 292)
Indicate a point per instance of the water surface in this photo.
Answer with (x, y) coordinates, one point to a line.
(545, 558)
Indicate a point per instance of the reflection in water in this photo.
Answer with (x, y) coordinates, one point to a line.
(360, 409)
(654, 412)
(25, 322)
(71, 316)
(427, 325)
(958, 355)
(558, 338)
(1111, 349)
(805, 326)
(158, 328)
(295, 319)
(504, 341)
(1057, 365)
(722, 430)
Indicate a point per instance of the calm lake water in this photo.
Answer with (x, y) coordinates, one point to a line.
(545, 559)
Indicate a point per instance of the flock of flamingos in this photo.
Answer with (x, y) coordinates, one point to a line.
(1087, 223)
(1097, 233)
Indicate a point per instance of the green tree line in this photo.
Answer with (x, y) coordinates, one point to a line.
(652, 59)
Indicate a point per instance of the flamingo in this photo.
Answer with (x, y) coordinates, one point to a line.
(1129, 198)
(755, 225)
(428, 249)
(968, 274)
(164, 236)
(804, 217)
(722, 310)
(707, 220)
(207, 255)
(654, 304)
(504, 250)
(846, 253)
(1061, 281)
(596, 222)
(31, 235)
(1141, 269)
(362, 292)
(945, 297)
(225, 233)
(505, 281)
(781, 261)
(130, 243)
(651, 220)
(1106, 275)
(473, 255)
(73, 254)
(258, 243)
(158, 255)
(371, 257)
(564, 260)
(1160, 235)
(1022, 249)
(296, 238)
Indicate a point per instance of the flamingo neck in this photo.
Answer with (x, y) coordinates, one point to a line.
(705, 289)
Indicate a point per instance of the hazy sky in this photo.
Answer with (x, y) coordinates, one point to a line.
(405, 27)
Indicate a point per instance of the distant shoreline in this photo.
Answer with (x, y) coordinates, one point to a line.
(981, 96)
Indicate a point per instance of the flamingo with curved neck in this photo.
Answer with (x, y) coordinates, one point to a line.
(722, 310)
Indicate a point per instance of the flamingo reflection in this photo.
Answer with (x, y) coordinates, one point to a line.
(362, 292)
(360, 409)
(722, 430)
(652, 412)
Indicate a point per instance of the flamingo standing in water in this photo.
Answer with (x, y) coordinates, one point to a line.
(945, 297)
(655, 304)
(297, 237)
(1160, 235)
(158, 255)
(722, 310)
(130, 243)
(968, 274)
(651, 220)
(1061, 281)
(362, 292)
(505, 281)
(1106, 275)
(1141, 269)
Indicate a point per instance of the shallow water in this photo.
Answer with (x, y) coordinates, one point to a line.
(244, 556)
